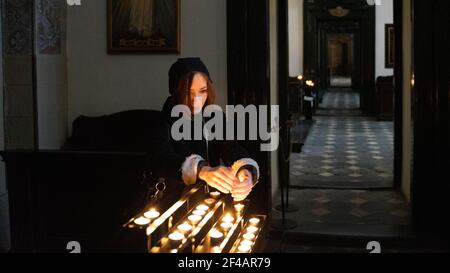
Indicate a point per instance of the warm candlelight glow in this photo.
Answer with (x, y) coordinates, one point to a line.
(300, 77)
(246, 243)
(142, 221)
(210, 201)
(228, 218)
(194, 219)
(185, 227)
(252, 229)
(152, 214)
(244, 248)
(216, 236)
(226, 225)
(254, 221)
(214, 233)
(176, 238)
(202, 207)
(199, 212)
(249, 236)
(215, 194)
(239, 207)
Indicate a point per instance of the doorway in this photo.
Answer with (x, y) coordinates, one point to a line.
(340, 57)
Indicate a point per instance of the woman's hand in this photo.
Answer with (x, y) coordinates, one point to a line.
(221, 178)
(243, 187)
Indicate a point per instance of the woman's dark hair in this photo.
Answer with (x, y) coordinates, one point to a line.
(182, 93)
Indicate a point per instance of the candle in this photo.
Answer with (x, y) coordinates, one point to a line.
(185, 228)
(152, 214)
(215, 194)
(216, 236)
(249, 236)
(254, 221)
(199, 212)
(246, 243)
(142, 221)
(202, 207)
(252, 229)
(226, 226)
(175, 239)
(228, 218)
(244, 248)
(210, 201)
(194, 219)
(239, 207)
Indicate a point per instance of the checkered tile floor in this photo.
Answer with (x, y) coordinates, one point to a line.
(345, 151)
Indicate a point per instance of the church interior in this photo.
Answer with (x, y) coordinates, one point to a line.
(363, 89)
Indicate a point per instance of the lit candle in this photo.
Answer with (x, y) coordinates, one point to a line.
(252, 229)
(175, 239)
(244, 248)
(142, 221)
(246, 243)
(239, 208)
(152, 214)
(254, 221)
(194, 219)
(216, 236)
(216, 249)
(228, 218)
(215, 194)
(199, 212)
(210, 201)
(226, 226)
(185, 228)
(202, 207)
(249, 236)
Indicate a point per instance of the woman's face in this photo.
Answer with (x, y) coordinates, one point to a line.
(198, 93)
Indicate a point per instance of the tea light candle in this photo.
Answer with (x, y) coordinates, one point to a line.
(226, 226)
(216, 236)
(246, 243)
(239, 207)
(228, 218)
(142, 221)
(215, 194)
(252, 229)
(249, 236)
(184, 228)
(210, 201)
(202, 207)
(152, 214)
(199, 212)
(254, 221)
(244, 248)
(194, 219)
(175, 239)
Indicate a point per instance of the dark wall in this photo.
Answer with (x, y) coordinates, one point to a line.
(431, 175)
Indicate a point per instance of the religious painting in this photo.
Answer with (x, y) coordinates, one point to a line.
(143, 26)
(390, 46)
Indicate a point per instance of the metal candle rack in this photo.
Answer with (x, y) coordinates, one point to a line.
(199, 223)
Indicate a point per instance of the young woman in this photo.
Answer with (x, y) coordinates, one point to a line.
(221, 164)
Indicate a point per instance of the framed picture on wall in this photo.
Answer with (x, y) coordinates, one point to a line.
(143, 26)
(390, 46)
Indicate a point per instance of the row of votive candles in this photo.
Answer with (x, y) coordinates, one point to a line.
(148, 217)
(184, 229)
(249, 235)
